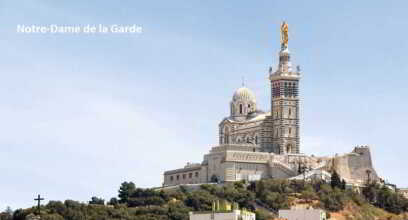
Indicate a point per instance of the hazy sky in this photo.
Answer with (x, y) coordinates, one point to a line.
(79, 114)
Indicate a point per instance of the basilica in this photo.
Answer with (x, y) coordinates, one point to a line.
(254, 144)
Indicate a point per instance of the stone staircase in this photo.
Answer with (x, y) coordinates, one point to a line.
(283, 167)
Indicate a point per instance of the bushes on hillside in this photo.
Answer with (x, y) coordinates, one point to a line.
(271, 195)
(383, 197)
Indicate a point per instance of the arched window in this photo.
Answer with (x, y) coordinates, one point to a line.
(240, 108)
(290, 111)
(290, 131)
(256, 139)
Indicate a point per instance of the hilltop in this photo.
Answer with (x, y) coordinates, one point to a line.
(265, 197)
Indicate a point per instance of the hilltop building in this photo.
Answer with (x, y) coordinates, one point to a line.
(254, 144)
(304, 214)
(223, 211)
(403, 192)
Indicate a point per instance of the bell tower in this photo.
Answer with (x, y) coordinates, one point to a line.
(283, 133)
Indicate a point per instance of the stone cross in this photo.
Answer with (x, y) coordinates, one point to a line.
(38, 199)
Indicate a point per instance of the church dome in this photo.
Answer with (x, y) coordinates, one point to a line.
(244, 94)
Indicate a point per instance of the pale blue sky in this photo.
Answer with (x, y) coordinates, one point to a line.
(80, 114)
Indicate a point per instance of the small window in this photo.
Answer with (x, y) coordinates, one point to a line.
(240, 109)
(290, 111)
(290, 130)
(190, 175)
(184, 176)
(171, 178)
(256, 139)
(177, 177)
(196, 174)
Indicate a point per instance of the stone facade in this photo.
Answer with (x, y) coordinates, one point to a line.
(284, 118)
(190, 174)
(235, 162)
(254, 144)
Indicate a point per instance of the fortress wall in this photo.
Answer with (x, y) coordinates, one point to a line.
(360, 164)
(342, 167)
(353, 166)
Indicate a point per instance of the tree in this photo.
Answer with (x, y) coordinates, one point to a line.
(308, 194)
(368, 176)
(370, 192)
(178, 211)
(262, 214)
(113, 201)
(125, 191)
(19, 214)
(56, 207)
(7, 214)
(335, 180)
(200, 200)
(343, 184)
(96, 201)
(9, 210)
(333, 200)
(214, 179)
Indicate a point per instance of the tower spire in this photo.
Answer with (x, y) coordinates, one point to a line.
(283, 134)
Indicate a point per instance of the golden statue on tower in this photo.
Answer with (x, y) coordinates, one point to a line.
(284, 34)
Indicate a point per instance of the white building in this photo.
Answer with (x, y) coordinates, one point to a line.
(303, 214)
(222, 215)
